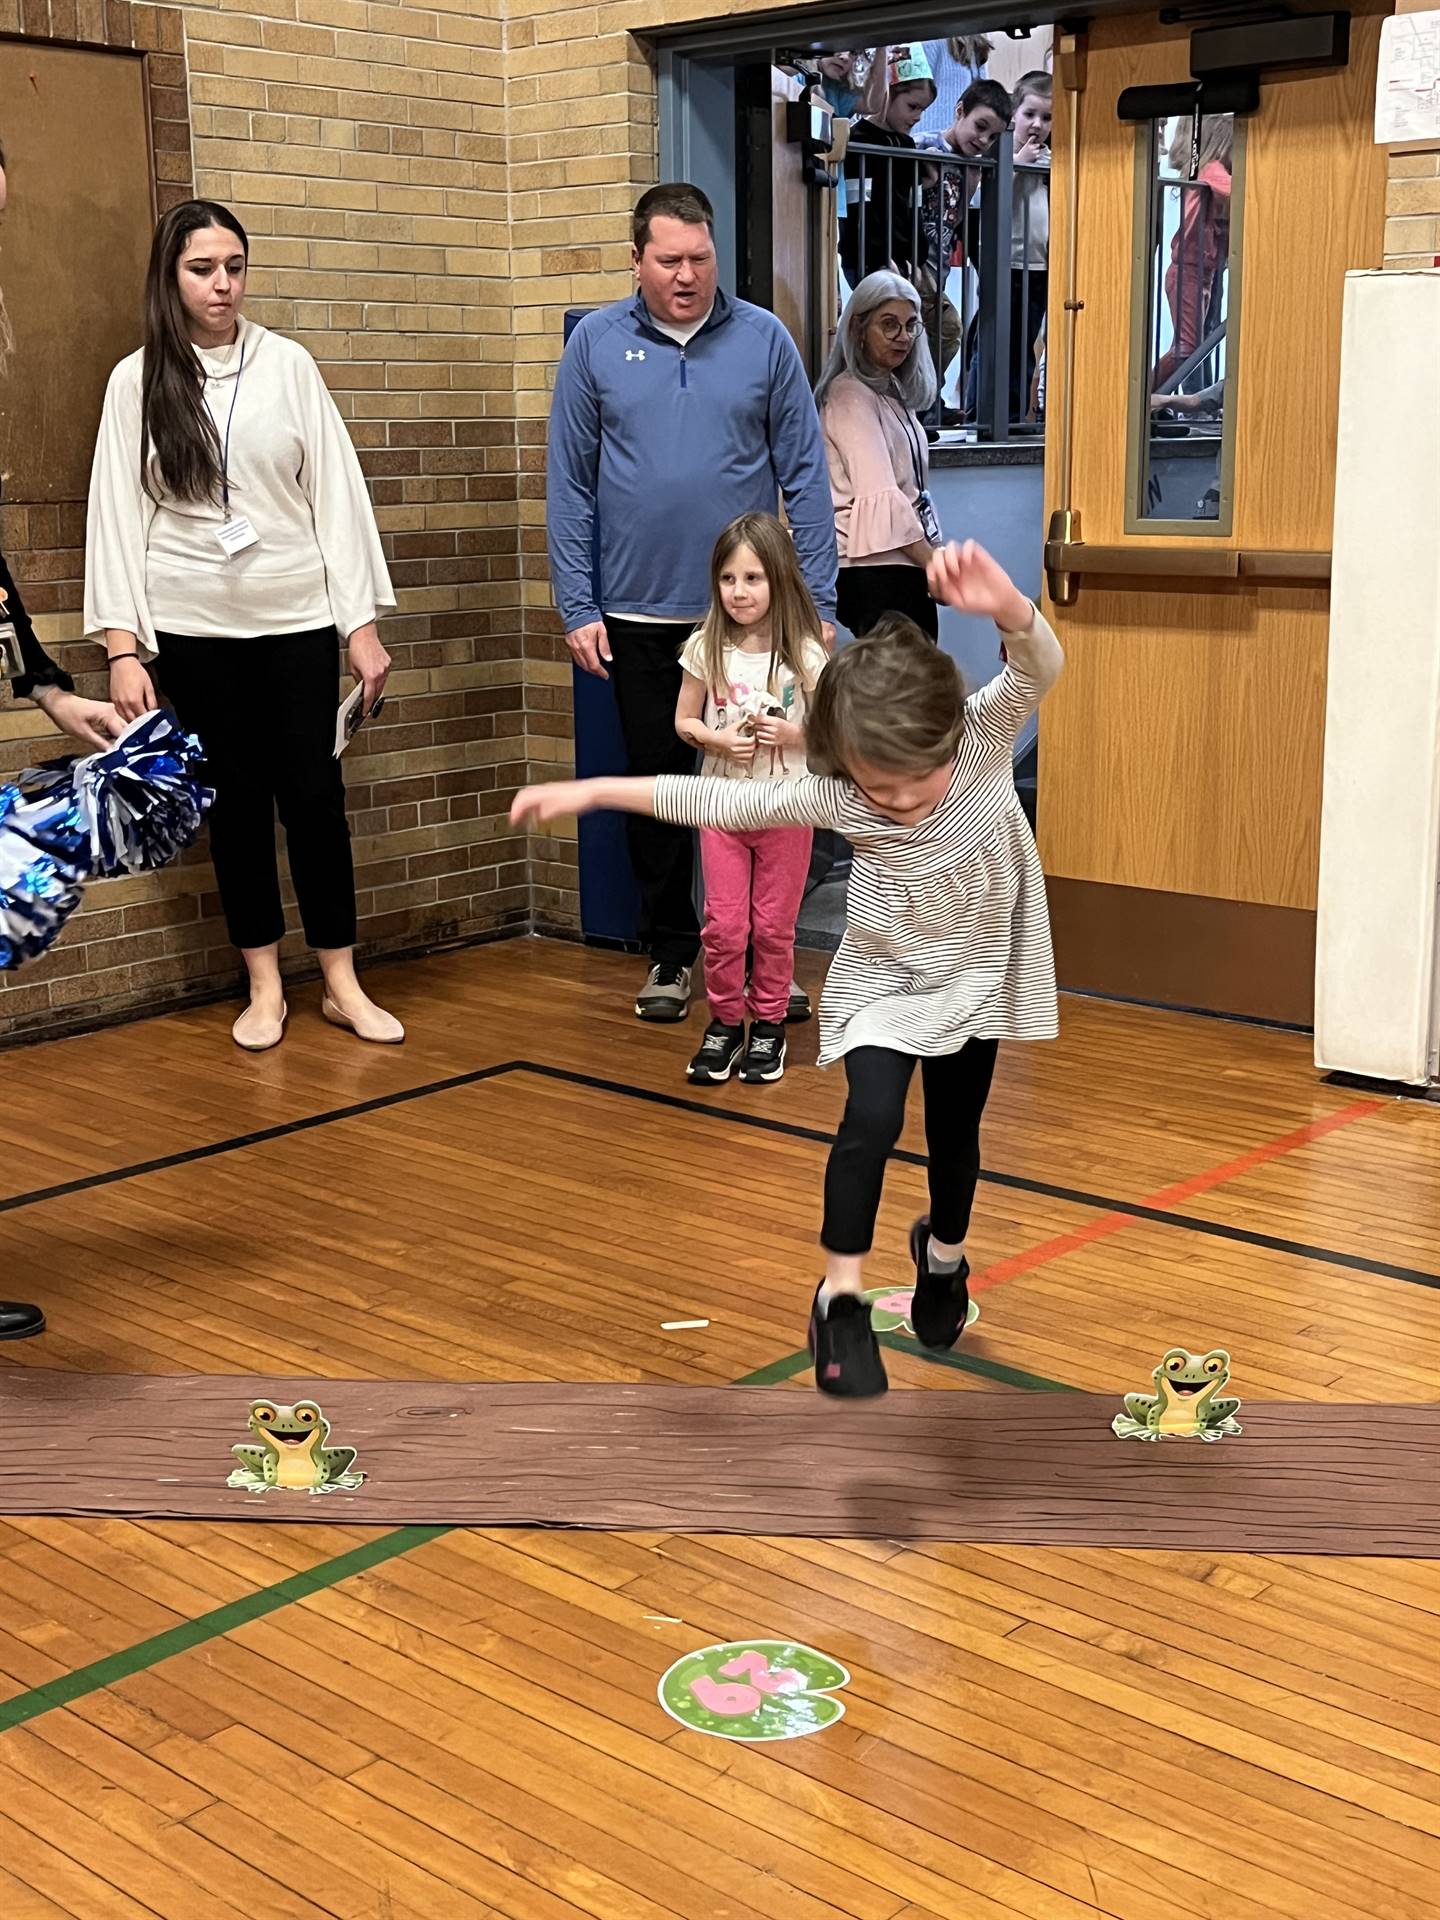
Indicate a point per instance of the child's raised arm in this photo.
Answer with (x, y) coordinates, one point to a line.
(968, 579)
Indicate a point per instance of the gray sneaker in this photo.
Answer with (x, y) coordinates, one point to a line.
(665, 994)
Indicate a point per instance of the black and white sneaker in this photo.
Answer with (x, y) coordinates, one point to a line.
(847, 1354)
(719, 1050)
(941, 1303)
(765, 1055)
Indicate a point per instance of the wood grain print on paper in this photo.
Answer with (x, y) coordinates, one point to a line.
(1044, 1469)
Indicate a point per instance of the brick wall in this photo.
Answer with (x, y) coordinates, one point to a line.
(1412, 210)
(581, 104)
(363, 146)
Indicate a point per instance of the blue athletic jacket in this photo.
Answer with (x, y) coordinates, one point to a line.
(664, 445)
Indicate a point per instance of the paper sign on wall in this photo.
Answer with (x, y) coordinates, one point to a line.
(1407, 85)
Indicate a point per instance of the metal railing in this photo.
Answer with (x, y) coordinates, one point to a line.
(916, 210)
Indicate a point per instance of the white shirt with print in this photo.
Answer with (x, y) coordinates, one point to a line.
(748, 691)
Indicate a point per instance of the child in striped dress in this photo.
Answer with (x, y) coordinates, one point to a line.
(947, 947)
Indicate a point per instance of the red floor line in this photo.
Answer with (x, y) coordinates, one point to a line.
(1197, 1183)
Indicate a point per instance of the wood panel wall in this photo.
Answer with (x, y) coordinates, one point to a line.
(1182, 750)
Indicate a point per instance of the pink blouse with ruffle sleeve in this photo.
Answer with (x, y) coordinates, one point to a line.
(872, 446)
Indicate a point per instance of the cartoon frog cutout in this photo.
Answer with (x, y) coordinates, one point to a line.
(1185, 1404)
(292, 1453)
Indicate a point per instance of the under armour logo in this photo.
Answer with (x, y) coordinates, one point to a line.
(638, 354)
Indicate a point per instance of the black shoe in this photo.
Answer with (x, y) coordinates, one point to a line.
(19, 1321)
(942, 1300)
(798, 1006)
(765, 1055)
(847, 1354)
(719, 1050)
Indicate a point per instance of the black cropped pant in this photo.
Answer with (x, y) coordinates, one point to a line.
(265, 714)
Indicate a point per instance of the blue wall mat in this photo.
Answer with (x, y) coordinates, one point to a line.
(1004, 509)
(609, 904)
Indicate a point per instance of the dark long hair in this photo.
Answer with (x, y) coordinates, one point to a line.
(178, 429)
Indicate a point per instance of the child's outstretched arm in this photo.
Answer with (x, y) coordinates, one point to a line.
(739, 806)
(559, 799)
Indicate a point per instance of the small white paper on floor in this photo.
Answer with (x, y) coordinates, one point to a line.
(681, 1326)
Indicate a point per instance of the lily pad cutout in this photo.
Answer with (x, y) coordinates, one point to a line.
(890, 1310)
(754, 1690)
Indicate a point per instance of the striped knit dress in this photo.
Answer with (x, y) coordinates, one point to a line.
(948, 937)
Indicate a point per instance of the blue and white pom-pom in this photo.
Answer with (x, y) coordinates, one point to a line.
(142, 800)
(44, 860)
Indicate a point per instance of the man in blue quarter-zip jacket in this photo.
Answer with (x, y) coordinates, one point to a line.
(674, 411)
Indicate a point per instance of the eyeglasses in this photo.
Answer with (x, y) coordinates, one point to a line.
(894, 329)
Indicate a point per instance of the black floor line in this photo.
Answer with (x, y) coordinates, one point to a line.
(1075, 1196)
(9, 1203)
(1099, 1202)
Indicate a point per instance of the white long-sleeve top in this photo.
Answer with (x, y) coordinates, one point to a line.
(947, 935)
(293, 473)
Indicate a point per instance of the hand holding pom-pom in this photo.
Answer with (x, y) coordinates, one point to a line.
(142, 800)
(42, 868)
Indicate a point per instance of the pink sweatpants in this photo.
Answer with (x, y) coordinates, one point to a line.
(754, 883)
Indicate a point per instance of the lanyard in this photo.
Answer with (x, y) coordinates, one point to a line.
(229, 418)
(912, 440)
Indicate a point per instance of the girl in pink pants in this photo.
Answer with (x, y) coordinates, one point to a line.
(749, 669)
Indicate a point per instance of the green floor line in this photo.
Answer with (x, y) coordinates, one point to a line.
(977, 1364)
(208, 1626)
(114, 1667)
(783, 1369)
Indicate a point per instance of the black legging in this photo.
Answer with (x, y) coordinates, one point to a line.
(867, 594)
(956, 1087)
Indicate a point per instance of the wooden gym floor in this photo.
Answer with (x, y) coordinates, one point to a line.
(205, 1722)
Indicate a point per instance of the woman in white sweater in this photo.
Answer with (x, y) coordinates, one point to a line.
(231, 540)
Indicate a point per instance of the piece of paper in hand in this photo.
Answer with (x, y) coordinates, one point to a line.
(348, 719)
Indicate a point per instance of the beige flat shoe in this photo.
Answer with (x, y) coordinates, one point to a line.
(260, 1034)
(375, 1025)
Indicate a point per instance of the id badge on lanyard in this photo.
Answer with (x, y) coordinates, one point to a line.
(929, 519)
(924, 505)
(235, 533)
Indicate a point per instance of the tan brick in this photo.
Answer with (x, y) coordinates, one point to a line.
(1414, 237)
(1413, 196)
(1413, 166)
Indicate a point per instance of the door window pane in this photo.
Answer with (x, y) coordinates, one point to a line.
(1188, 192)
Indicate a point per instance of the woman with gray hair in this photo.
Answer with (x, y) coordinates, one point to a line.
(879, 380)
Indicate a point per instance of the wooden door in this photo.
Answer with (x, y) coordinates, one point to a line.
(1180, 756)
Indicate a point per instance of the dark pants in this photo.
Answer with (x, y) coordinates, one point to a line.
(37, 669)
(1026, 320)
(645, 672)
(956, 1087)
(867, 594)
(265, 713)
